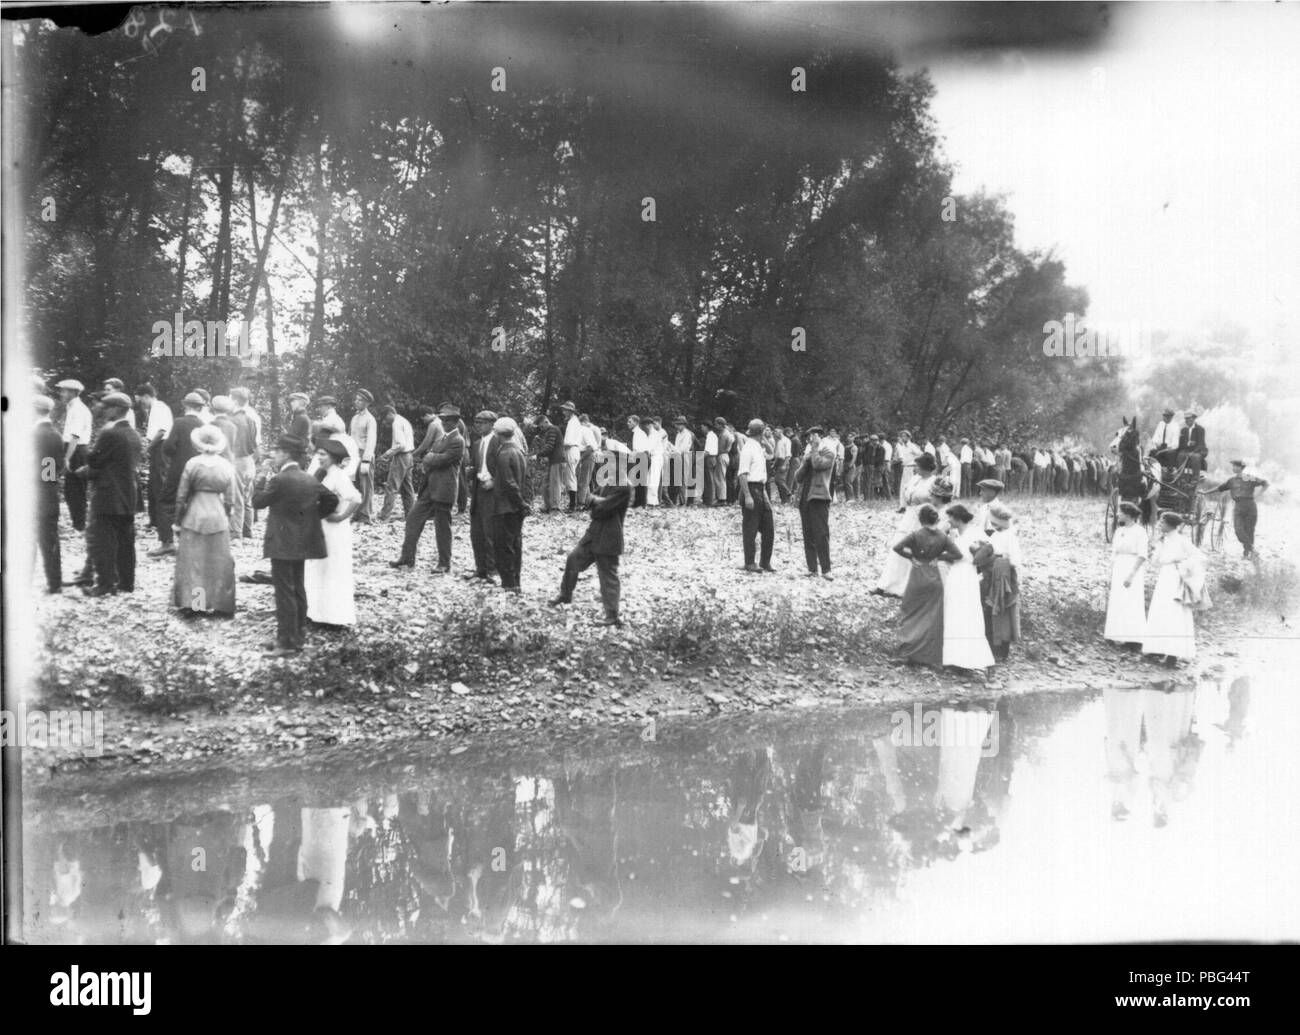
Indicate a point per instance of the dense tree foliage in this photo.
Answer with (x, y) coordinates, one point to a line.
(385, 217)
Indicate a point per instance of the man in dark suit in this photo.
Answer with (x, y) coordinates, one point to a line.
(111, 469)
(295, 502)
(510, 496)
(177, 449)
(1191, 438)
(49, 466)
(602, 545)
(480, 496)
(441, 466)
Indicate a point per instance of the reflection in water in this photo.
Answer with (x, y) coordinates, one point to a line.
(809, 829)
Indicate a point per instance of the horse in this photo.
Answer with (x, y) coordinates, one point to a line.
(1130, 477)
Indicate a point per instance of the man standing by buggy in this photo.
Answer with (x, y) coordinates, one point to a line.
(1241, 487)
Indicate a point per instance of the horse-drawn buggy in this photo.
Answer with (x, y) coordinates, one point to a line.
(1166, 484)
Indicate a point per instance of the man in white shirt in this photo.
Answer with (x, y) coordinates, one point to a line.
(588, 448)
(712, 477)
(76, 448)
(837, 475)
(573, 439)
(688, 484)
(328, 421)
(751, 479)
(157, 422)
(641, 457)
(966, 457)
(781, 464)
(1166, 434)
(1041, 473)
(365, 433)
(907, 451)
(657, 440)
(398, 455)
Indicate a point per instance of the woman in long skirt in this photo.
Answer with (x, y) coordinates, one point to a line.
(894, 577)
(1126, 613)
(204, 580)
(329, 580)
(922, 608)
(1179, 592)
(964, 643)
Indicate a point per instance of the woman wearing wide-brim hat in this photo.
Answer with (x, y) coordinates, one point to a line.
(204, 582)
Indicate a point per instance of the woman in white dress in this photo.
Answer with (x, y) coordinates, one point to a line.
(893, 579)
(1180, 591)
(964, 642)
(1126, 613)
(329, 581)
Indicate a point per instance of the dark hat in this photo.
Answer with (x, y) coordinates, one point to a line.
(1237, 463)
(363, 393)
(386, 409)
(485, 415)
(327, 400)
(990, 483)
(448, 410)
(568, 406)
(117, 399)
(719, 422)
(291, 444)
(816, 429)
(1167, 413)
(941, 489)
(679, 419)
(115, 383)
(926, 462)
(334, 448)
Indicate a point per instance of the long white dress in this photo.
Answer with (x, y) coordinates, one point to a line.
(893, 578)
(964, 642)
(329, 582)
(1126, 617)
(1171, 626)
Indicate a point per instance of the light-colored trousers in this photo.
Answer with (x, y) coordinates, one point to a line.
(241, 498)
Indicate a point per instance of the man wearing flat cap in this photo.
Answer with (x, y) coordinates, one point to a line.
(177, 449)
(751, 482)
(112, 465)
(510, 491)
(398, 455)
(442, 464)
(299, 425)
(989, 489)
(77, 426)
(481, 495)
(601, 545)
(295, 502)
(365, 433)
(1241, 487)
(573, 440)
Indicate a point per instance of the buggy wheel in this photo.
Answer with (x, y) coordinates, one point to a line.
(1112, 514)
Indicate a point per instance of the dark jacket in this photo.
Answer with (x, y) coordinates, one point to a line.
(113, 461)
(605, 533)
(814, 475)
(1197, 444)
(49, 465)
(545, 444)
(295, 501)
(442, 465)
(178, 448)
(509, 472)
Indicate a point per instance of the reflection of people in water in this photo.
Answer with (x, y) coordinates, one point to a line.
(749, 785)
(381, 893)
(804, 839)
(587, 811)
(1161, 718)
(1234, 726)
(205, 864)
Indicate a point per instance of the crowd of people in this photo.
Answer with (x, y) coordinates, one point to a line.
(204, 476)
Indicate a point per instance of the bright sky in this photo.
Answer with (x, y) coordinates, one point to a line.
(1163, 168)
